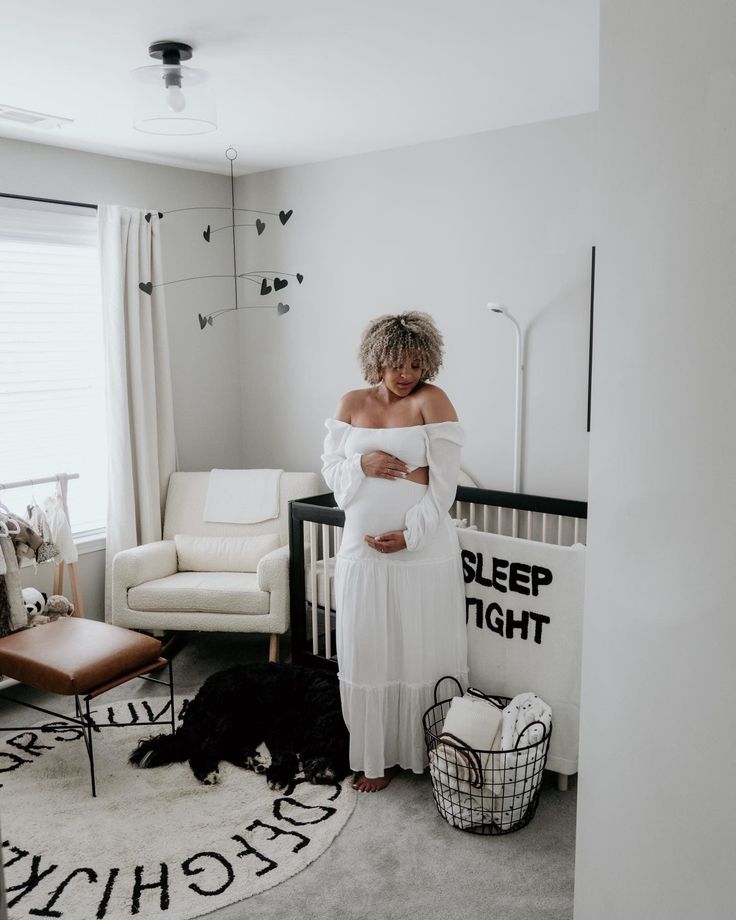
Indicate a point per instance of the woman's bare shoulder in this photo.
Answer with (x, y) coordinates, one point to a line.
(435, 405)
(351, 403)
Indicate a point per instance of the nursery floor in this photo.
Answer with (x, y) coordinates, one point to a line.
(396, 859)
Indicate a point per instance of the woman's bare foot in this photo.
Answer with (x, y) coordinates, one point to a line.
(365, 783)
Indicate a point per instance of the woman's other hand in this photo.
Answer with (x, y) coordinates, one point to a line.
(381, 465)
(390, 542)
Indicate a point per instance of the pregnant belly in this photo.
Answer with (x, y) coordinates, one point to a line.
(379, 506)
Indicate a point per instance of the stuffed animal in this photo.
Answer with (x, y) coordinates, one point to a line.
(42, 609)
(58, 606)
(35, 601)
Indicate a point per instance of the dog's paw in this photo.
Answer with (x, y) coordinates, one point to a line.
(211, 779)
(259, 760)
(279, 777)
(319, 771)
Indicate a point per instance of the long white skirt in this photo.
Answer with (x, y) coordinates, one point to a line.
(400, 627)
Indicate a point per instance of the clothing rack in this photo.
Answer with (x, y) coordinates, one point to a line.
(63, 480)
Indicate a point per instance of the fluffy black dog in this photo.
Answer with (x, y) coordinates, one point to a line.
(294, 711)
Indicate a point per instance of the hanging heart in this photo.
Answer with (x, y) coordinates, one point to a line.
(146, 287)
(265, 287)
(210, 321)
(279, 283)
(149, 216)
(260, 226)
(282, 308)
(299, 277)
(202, 321)
(284, 216)
(206, 234)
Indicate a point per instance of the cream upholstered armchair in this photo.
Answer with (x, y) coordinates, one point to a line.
(179, 583)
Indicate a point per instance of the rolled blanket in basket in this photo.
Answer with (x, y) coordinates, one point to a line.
(457, 765)
(474, 720)
(459, 802)
(517, 772)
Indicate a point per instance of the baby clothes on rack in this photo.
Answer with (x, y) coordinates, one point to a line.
(13, 614)
(59, 528)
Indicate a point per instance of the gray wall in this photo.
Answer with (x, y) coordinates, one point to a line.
(656, 800)
(445, 227)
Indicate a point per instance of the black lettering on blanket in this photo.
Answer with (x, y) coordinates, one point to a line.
(9, 761)
(299, 845)
(30, 745)
(139, 887)
(516, 577)
(105, 900)
(208, 854)
(506, 623)
(34, 878)
(47, 911)
(278, 811)
(62, 731)
(248, 850)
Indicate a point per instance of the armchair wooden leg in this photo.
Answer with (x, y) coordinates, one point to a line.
(273, 649)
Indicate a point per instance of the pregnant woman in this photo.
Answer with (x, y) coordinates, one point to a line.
(392, 459)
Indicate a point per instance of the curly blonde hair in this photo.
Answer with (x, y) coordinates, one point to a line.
(388, 339)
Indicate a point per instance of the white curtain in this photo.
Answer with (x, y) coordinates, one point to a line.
(140, 412)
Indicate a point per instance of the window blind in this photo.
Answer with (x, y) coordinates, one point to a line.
(52, 401)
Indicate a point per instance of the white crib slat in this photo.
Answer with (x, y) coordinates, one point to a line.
(326, 570)
(499, 520)
(576, 532)
(472, 508)
(559, 530)
(529, 525)
(515, 523)
(544, 527)
(313, 585)
(486, 517)
(337, 534)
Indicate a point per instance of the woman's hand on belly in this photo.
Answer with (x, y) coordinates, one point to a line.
(381, 465)
(420, 475)
(390, 542)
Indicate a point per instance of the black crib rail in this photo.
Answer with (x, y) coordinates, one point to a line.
(321, 509)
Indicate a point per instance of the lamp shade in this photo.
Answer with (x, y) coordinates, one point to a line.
(173, 100)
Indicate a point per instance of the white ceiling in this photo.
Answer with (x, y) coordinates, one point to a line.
(298, 81)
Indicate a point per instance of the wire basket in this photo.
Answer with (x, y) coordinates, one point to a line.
(485, 792)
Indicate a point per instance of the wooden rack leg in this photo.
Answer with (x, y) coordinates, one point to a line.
(273, 648)
(59, 578)
(76, 592)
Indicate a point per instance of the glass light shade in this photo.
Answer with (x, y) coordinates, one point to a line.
(173, 100)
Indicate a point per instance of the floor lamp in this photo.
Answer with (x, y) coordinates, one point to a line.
(503, 311)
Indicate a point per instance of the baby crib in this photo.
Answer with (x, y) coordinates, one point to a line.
(315, 529)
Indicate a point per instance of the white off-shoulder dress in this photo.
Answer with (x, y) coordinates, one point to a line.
(400, 616)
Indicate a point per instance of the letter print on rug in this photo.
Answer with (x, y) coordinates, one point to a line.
(154, 843)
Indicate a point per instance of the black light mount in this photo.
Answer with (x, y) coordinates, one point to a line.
(171, 54)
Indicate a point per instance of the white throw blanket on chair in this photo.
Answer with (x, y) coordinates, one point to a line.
(242, 496)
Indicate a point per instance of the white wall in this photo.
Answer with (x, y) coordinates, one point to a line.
(205, 365)
(205, 368)
(656, 835)
(505, 215)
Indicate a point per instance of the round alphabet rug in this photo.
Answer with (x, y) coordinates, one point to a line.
(154, 843)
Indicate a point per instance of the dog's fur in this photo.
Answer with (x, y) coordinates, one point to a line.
(294, 711)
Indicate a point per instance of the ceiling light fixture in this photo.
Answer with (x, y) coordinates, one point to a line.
(183, 104)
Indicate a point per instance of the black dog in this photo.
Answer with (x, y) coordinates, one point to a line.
(294, 711)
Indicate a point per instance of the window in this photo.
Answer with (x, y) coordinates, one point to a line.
(52, 400)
